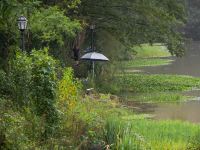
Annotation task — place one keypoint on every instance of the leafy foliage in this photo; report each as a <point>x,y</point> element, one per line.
<point>137,21</point>
<point>30,91</point>
<point>19,129</point>
<point>68,90</point>
<point>51,27</point>
<point>19,77</point>
<point>32,82</point>
<point>44,84</point>
<point>4,85</point>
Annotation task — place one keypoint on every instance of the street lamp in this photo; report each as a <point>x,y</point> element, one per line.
<point>92,27</point>
<point>22,24</point>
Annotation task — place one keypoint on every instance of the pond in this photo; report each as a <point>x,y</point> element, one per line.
<point>185,111</point>
<point>187,65</point>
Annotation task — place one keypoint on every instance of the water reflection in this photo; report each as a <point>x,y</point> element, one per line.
<point>188,111</point>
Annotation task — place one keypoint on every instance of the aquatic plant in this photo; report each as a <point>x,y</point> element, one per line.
<point>143,83</point>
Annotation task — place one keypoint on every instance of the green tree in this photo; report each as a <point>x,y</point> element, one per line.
<point>136,22</point>
<point>51,28</point>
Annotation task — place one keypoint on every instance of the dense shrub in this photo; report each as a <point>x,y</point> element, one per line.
<point>19,77</point>
<point>5,91</point>
<point>68,90</point>
<point>43,87</point>
<point>30,86</point>
<point>19,129</point>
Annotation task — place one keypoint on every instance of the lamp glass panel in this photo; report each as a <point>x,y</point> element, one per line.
<point>22,23</point>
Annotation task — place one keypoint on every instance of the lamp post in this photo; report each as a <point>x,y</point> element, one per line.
<point>92,27</point>
<point>92,55</point>
<point>22,24</point>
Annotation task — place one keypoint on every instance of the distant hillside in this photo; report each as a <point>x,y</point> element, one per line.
<point>193,26</point>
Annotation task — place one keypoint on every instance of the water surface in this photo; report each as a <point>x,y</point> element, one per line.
<point>186,111</point>
<point>189,64</point>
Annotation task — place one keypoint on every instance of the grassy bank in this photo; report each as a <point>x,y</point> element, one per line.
<point>149,51</point>
<point>122,129</point>
<point>148,55</point>
<point>165,134</point>
<point>140,133</point>
<point>156,97</point>
<point>140,62</point>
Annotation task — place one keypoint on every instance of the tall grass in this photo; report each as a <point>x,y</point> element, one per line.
<point>165,134</point>
<point>141,134</point>
<point>194,142</point>
<point>120,136</point>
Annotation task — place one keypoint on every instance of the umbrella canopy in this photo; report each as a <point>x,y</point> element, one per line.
<point>93,56</point>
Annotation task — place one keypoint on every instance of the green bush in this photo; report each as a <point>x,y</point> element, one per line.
<point>19,129</point>
<point>30,85</point>
<point>19,77</point>
<point>68,90</point>
<point>5,91</point>
<point>43,87</point>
